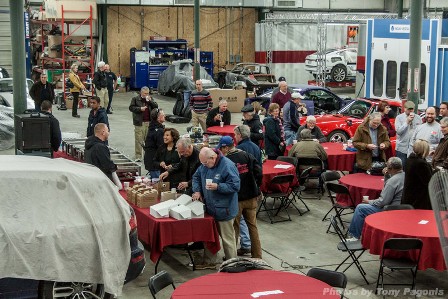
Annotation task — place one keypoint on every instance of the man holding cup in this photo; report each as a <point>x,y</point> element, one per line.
<point>216,183</point>
<point>219,116</point>
<point>141,107</point>
<point>405,125</point>
<point>390,195</point>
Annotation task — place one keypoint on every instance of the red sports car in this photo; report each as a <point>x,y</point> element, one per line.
<point>341,126</point>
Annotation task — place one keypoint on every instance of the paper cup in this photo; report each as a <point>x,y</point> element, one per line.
<point>208,181</point>
<point>173,190</point>
<point>221,124</point>
<point>126,184</point>
<point>344,146</point>
<point>365,197</point>
<point>294,141</point>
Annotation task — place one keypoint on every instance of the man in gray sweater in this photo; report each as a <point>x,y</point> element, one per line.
<point>391,195</point>
<point>405,125</point>
<point>429,131</point>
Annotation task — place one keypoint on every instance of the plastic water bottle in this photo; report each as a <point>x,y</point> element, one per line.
<point>118,80</point>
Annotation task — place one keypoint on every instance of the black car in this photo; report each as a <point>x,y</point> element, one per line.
<point>71,227</point>
<point>318,99</point>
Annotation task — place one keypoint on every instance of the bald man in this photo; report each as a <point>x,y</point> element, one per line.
<point>216,183</point>
<point>429,131</point>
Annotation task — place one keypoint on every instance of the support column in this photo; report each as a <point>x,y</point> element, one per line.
<point>197,47</point>
<point>415,42</point>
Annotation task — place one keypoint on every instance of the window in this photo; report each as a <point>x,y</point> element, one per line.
<point>391,80</point>
<point>404,80</point>
<point>323,99</point>
<point>378,68</point>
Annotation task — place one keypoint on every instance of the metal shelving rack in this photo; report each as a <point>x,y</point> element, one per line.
<point>87,61</point>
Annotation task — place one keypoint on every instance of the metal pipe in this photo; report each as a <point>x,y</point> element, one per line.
<point>18,54</point>
<point>415,44</point>
<point>197,47</point>
<point>400,9</point>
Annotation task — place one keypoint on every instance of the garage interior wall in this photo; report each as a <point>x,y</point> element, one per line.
<point>224,31</point>
<point>5,37</point>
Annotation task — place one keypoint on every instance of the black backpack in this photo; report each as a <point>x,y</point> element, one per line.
<point>68,83</point>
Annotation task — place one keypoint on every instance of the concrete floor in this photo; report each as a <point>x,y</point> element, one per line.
<point>294,246</point>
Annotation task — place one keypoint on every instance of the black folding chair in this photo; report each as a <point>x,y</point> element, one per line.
<point>297,188</point>
<point>340,209</point>
<point>395,245</point>
<point>160,281</point>
<point>332,278</point>
<point>276,184</point>
<point>351,247</point>
<point>403,206</point>
<point>330,177</point>
<point>317,168</point>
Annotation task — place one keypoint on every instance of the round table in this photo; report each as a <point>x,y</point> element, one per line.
<point>253,284</point>
<point>269,172</point>
<point>226,130</point>
<point>359,185</point>
<point>338,159</point>
<point>381,226</point>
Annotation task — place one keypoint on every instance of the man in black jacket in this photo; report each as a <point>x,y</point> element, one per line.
<point>218,115</point>
<point>55,130</point>
<point>111,86</point>
<point>42,90</point>
<point>100,82</point>
<point>97,115</point>
<point>97,153</point>
<point>250,176</point>
<point>141,107</point>
<point>251,119</point>
<point>188,165</point>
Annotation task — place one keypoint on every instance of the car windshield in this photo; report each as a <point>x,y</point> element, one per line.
<point>357,109</point>
<point>6,85</point>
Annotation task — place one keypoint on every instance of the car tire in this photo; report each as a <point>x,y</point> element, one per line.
<point>338,136</point>
<point>339,73</point>
<point>49,290</point>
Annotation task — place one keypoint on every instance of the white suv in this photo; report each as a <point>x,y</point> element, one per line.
<point>340,64</point>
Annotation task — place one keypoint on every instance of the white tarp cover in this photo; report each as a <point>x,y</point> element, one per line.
<point>62,220</point>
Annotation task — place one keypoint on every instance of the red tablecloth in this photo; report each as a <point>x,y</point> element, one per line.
<point>405,224</point>
<point>60,154</point>
<point>359,185</point>
<point>161,232</point>
<point>246,284</point>
<point>224,131</point>
<point>338,159</point>
<point>269,172</point>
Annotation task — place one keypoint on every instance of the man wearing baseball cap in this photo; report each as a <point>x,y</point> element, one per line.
<point>405,125</point>
<point>292,111</point>
<point>250,175</point>
<point>252,120</point>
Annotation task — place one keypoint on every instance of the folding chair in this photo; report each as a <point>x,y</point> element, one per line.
<point>340,209</point>
<point>399,245</point>
<point>332,278</point>
<point>351,247</point>
<point>282,197</point>
<point>297,188</point>
<point>317,168</point>
<point>330,176</point>
<point>403,206</point>
<point>160,281</point>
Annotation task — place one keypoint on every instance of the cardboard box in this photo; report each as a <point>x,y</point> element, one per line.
<point>180,212</point>
<point>197,209</point>
<point>54,40</point>
<point>162,187</point>
<point>121,89</point>
<point>235,98</point>
<point>73,10</point>
<point>54,54</point>
<point>184,199</point>
<point>161,210</point>
<point>146,199</point>
<point>167,195</point>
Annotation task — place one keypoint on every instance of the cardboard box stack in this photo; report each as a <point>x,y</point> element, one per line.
<point>146,198</point>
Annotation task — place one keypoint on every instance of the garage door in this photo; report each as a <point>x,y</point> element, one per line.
<point>5,37</point>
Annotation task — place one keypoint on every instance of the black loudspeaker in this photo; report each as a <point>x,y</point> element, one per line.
<point>32,132</point>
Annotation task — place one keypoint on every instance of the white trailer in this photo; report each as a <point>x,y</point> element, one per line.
<point>387,57</point>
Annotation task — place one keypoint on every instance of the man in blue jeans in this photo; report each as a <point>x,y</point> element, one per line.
<point>391,195</point>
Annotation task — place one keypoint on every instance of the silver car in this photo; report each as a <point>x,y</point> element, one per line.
<point>6,91</point>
